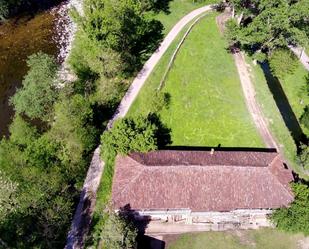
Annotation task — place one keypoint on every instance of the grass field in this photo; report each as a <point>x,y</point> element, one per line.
<point>249,239</point>
<point>292,85</point>
<point>207,104</point>
<point>178,9</point>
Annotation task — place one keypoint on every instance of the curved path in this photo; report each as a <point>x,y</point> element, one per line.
<point>83,214</point>
<point>142,76</point>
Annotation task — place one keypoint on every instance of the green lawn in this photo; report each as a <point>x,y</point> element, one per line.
<point>292,87</point>
<point>177,10</point>
<point>248,239</point>
<point>207,104</point>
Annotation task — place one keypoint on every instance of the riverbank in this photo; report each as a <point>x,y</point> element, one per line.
<point>50,31</point>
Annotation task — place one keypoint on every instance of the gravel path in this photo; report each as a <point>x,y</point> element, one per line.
<point>83,214</point>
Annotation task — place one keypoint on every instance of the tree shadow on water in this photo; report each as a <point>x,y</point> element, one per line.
<point>284,106</point>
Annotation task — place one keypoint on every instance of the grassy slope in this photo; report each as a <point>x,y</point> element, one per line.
<point>271,111</point>
<point>294,88</point>
<point>258,239</point>
<point>207,105</point>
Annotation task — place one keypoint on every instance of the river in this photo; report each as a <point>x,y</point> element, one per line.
<point>21,37</point>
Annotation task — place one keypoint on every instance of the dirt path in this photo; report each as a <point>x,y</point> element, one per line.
<point>83,214</point>
<point>248,90</point>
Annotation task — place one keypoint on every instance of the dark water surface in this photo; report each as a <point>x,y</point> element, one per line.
<point>19,38</point>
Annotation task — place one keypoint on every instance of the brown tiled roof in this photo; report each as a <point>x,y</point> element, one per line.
<point>201,181</point>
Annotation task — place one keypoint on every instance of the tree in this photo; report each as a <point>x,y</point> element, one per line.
<point>21,132</point>
<point>272,24</point>
<point>120,26</point>
<point>39,91</point>
<point>282,62</point>
<point>130,135</point>
<point>119,233</point>
<point>294,218</point>
<point>8,198</point>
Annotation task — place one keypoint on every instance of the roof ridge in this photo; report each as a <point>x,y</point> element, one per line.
<point>204,166</point>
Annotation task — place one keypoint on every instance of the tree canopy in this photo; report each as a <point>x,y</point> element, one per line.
<point>39,88</point>
<point>295,218</point>
<point>266,25</point>
<point>119,232</point>
<point>130,135</point>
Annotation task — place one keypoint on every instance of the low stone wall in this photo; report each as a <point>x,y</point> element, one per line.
<point>209,221</point>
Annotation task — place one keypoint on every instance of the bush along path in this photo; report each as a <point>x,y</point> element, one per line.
<point>83,214</point>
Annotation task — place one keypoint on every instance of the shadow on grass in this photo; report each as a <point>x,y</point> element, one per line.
<point>284,107</point>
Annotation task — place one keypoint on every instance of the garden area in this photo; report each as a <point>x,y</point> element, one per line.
<point>207,106</point>
<point>258,239</point>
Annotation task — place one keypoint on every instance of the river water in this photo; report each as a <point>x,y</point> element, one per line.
<point>21,37</point>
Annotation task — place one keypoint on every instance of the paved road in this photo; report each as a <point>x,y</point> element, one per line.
<point>83,214</point>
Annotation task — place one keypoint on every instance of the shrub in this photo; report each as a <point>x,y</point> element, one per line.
<point>119,232</point>
<point>128,135</point>
<point>294,218</point>
<point>303,157</point>
<point>282,62</point>
<point>39,92</point>
<point>159,101</point>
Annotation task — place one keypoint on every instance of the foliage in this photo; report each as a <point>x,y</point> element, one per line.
<point>305,117</point>
<point>130,135</point>
<point>295,218</point>
<point>268,25</point>
<point>159,100</point>
<point>282,62</point>
<point>4,9</point>
<point>8,198</point>
<point>22,133</point>
<point>38,93</point>
<point>121,31</point>
<point>303,157</point>
<point>119,232</point>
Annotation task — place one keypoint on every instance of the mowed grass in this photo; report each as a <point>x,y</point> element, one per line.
<point>178,9</point>
<point>207,104</point>
<point>248,239</point>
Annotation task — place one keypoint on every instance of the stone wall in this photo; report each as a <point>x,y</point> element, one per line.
<point>210,221</point>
